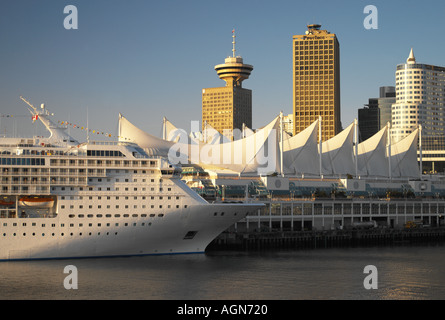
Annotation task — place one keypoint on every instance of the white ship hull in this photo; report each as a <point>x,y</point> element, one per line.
<point>182,231</point>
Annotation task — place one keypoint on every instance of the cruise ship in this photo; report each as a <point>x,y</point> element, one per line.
<point>61,198</point>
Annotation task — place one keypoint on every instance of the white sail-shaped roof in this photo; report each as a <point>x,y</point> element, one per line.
<point>247,131</point>
<point>128,132</point>
<point>257,153</point>
<point>178,151</point>
<point>337,153</point>
<point>372,160</point>
<point>209,135</point>
<point>169,131</point>
<point>300,152</point>
<point>404,157</point>
<point>212,136</point>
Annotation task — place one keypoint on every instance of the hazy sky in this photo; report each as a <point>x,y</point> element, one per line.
<point>149,59</point>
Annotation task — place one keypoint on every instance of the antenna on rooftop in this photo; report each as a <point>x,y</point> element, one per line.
<point>233,42</point>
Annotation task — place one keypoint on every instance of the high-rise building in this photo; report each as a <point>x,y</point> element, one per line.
<point>228,108</point>
<point>385,102</point>
<point>420,100</point>
<point>377,113</point>
<point>369,119</point>
<point>316,81</point>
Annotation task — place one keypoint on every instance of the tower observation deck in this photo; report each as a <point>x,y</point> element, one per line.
<point>233,71</point>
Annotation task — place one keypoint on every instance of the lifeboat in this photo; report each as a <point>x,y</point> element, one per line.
<point>6,203</point>
<point>36,202</point>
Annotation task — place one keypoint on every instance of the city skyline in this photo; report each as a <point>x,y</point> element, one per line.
<point>130,58</point>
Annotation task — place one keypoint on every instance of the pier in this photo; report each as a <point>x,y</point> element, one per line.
<point>325,239</point>
<point>324,223</point>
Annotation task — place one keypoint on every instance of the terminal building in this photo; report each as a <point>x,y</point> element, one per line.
<point>305,185</point>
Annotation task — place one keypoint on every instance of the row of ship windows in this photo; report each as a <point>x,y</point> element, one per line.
<point>143,224</point>
<point>126,206</point>
<point>80,233</point>
<point>109,189</point>
<point>62,234</point>
<point>117,215</point>
<point>22,161</point>
<point>124,180</point>
<point>26,179</point>
<point>117,198</point>
<point>189,234</point>
<point>71,225</point>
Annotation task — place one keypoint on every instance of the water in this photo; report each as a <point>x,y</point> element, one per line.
<point>404,273</point>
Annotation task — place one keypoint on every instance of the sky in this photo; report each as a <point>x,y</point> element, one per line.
<point>149,59</point>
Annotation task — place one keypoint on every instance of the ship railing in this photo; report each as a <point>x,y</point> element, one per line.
<point>109,143</point>
<point>354,200</point>
<point>27,190</point>
<point>108,163</point>
<point>27,183</point>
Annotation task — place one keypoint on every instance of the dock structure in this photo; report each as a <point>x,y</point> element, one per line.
<point>329,214</point>
<point>325,239</point>
<point>326,223</point>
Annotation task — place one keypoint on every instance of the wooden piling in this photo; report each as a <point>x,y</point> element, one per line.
<point>324,239</point>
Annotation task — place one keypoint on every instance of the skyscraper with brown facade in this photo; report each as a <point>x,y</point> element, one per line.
<point>316,81</point>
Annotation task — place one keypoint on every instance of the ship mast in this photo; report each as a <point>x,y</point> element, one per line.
<point>57,133</point>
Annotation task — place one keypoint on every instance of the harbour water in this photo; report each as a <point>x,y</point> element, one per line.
<point>404,272</point>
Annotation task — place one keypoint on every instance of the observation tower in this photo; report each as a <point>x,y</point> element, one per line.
<point>233,71</point>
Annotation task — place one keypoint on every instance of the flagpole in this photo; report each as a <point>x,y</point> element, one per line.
<point>88,129</point>
<point>356,148</point>
<point>389,151</point>
<point>420,150</point>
